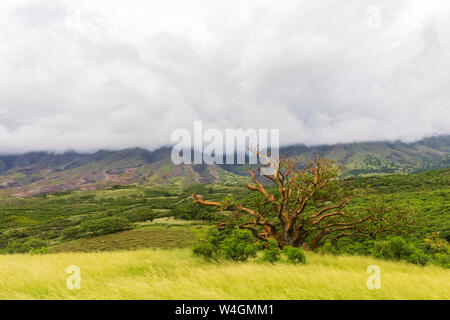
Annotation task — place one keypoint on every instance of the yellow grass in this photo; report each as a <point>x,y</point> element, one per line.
<point>176,274</point>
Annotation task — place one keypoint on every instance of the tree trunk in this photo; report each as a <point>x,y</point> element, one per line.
<point>315,242</point>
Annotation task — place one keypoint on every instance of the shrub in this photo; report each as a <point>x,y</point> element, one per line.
<point>21,233</point>
<point>144,216</point>
<point>24,246</point>
<point>50,235</point>
<point>294,255</point>
<point>41,250</point>
<point>437,245</point>
<point>446,235</point>
<point>208,243</point>
<point>239,245</point>
<point>106,225</point>
<point>398,248</point>
<point>358,247</point>
<point>328,248</point>
<point>140,216</point>
<point>417,256</point>
<point>442,259</point>
<point>72,232</point>
<point>272,252</point>
<point>233,244</point>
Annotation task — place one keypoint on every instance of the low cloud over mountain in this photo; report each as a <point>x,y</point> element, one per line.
<point>86,75</point>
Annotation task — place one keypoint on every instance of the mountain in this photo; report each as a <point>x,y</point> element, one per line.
<point>40,172</point>
<point>383,157</point>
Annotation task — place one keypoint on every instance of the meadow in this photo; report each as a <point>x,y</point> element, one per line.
<point>177,274</point>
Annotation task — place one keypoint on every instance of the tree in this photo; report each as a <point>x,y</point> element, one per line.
<point>303,207</point>
<point>106,225</point>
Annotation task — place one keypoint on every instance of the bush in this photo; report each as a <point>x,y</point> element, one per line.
<point>139,216</point>
<point>72,232</point>
<point>328,248</point>
<point>272,252</point>
<point>208,243</point>
<point>24,246</point>
<point>294,255</point>
<point>106,225</point>
<point>437,245</point>
<point>446,235</point>
<point>143,216</point>
<point>418,257</point>
<point>397,248</point>
<point>233,244</point>
<point>239,245</point>
<point>41,250</point>
<point>50,235</point>
<point>442,259</point>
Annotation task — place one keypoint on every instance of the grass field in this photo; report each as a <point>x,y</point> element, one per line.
<point>176,274</point>
<point>154,236</point>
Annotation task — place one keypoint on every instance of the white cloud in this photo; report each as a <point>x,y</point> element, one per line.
<point>95,74</point>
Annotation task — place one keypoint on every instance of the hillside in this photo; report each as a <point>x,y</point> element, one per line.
<point>40,173</point>
<point>384,157</point>
<point>49,218</point>
<point>150,258</point>
<point>176,274</point>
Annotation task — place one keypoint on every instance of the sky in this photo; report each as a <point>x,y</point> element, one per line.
<point>85,75</point>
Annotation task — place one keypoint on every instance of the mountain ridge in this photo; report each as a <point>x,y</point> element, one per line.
<point>35,173</point>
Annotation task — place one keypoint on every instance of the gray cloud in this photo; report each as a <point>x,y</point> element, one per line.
<point>94,74</point>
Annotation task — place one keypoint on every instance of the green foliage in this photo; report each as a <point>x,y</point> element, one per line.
<point>120,187</point>
<point>417,256</point>
<point>72,232</point>
<point>294,255</point>
<point>442,259</point>
<point>398,248</point>
<point>234,244</point>
<point>446,235</point>
<point>239,245</point>
<point>437,245</point>
<point>139,216</point>
<point>25,246</point>
<point>272,252</point>
<point>328,248</point>
<point>41,250</point>
<point>106,225</point>
<point>439,248</point>
<point>435,250</point>
<point>208,243</point>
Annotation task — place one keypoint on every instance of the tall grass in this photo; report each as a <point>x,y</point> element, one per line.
<point>176,274</point>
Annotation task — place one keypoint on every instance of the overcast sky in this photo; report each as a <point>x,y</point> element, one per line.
<point>90,74</point>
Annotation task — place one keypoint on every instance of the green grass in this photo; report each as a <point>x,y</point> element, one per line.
<point>156,236</point>
<point>176,274</point>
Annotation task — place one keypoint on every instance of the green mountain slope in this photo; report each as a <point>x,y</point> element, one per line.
<point>39,172</point>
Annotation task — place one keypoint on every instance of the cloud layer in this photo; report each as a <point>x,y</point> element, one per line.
<point>92,74</point>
